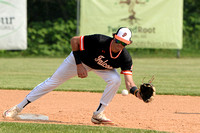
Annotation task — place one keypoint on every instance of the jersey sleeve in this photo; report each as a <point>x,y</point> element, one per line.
<point>127,65</point>
<point>89,41</point>
<point>127,72</point>
<point>82,43</point>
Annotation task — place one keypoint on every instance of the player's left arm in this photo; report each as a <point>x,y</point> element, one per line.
<point>126,69</point>
<point>130,85</point>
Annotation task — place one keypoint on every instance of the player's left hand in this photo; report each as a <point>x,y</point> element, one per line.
<point>147,92</point>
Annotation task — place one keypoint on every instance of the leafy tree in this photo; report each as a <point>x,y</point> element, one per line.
<point>191,23</point>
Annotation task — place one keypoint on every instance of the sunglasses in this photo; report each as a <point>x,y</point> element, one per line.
<point>118,41</point>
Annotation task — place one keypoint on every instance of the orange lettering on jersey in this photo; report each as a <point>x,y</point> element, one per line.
<point>102,63</point>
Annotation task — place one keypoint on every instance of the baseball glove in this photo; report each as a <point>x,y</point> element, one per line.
<point>147,92</point>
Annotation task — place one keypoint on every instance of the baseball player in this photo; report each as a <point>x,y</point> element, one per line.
<point>98,53</point>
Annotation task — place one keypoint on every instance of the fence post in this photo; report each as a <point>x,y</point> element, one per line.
<point>178,53</point>
<point>78,18</point>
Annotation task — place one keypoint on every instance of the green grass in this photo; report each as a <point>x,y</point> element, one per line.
<point>6,127</point>
<point>172,76</point>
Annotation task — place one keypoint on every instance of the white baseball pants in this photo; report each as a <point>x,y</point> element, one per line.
<point>68,70</point>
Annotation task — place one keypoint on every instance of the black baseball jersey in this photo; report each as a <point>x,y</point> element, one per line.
<point>95,51</point>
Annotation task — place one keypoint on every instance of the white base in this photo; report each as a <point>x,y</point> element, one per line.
<point>31,117</point>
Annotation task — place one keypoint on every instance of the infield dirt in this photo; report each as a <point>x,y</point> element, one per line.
<point>179,114</point>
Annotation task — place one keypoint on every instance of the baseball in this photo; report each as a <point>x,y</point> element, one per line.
<point>124,92</point>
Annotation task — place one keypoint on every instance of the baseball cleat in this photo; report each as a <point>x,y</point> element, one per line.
<point>12,112</point>
<point>101,119</point>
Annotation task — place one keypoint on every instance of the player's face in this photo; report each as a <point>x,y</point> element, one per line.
<point>118,45</point>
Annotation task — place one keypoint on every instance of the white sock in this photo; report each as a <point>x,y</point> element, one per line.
<point>23,103</point>
<point>100,109</point>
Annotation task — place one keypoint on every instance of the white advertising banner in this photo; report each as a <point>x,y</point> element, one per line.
<point>13,25</point>
<point>154,23</point>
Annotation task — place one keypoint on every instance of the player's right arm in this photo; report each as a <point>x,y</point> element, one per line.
<point>75,44</point>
